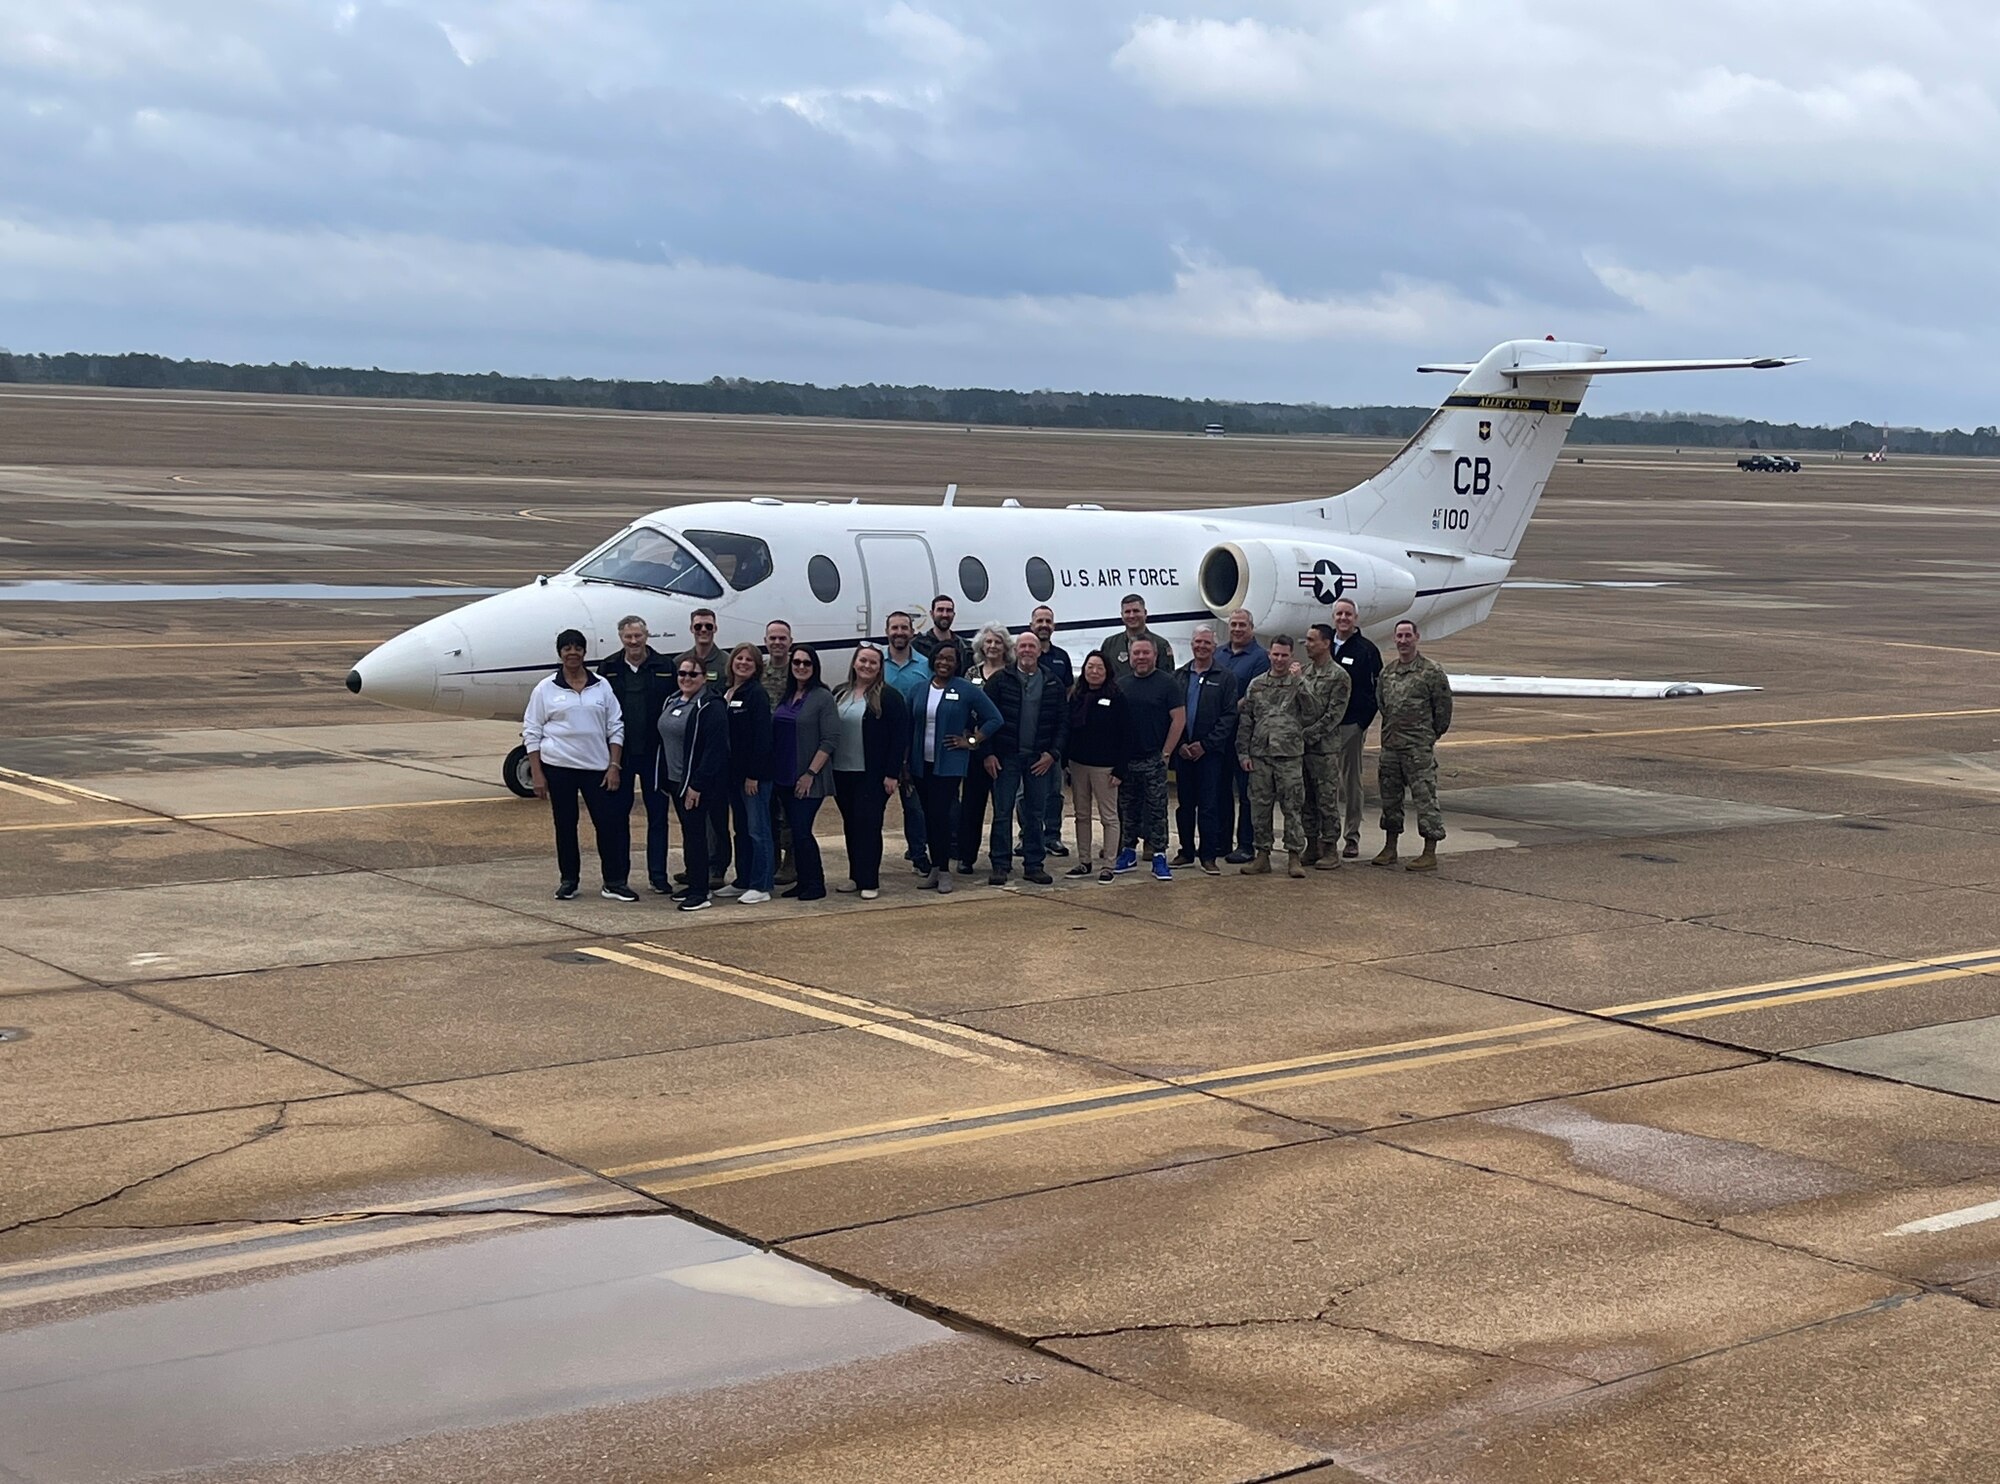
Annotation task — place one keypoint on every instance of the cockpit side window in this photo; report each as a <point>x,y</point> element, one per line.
<point>743,561</point>
<point>644,557</point>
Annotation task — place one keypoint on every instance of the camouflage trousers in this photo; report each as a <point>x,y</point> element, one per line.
<point>1416,769</point>
<point>1278,781</point>
<point>1142,805</point>
<point>1322,782</point>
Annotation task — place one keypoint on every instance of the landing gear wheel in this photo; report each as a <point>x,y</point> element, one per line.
<point>517,775</point>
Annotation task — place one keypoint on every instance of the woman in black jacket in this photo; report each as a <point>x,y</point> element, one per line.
<point>693,766</point>
<point>867,763</point>
<point>1096,746</point>
<point>752,765</point>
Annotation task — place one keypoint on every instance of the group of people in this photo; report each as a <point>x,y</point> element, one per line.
<point>742,747</point>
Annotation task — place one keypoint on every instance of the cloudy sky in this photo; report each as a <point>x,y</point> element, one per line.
<point>1294,201</point>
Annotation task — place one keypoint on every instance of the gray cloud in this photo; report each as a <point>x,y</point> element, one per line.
<point>1283,200</point>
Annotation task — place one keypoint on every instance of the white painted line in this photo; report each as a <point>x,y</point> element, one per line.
<point>1969,1216</point>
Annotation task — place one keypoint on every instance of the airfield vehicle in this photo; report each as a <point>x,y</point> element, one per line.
<point>1768,463</point>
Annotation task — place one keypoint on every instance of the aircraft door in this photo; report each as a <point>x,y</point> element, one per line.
<point>897,572</point>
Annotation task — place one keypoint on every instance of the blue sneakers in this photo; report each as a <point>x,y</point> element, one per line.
<point>1128,860</point>
<point>1161,870</point>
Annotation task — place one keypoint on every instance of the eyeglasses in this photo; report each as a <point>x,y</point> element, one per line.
<point>702,627</point>
<point>690,674</point>
<point>802,664</point>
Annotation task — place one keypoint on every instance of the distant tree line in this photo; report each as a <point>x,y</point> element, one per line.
<point>968,405</point>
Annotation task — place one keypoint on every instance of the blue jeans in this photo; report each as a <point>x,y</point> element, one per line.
<point>1019,782</point>
<point>756,855</point>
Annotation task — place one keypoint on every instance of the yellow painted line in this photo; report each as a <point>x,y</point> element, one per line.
<point>1810,981</point>
<point>852,1002</point>
<point>342,808</point>
<point>36,794</point>
<point>863,1130</point>
<point>204,644</point>
<point>922,1142</point>
<point>797,1007</point>
<point>1729,726</point>
<point>1939,648</point>
<point>1838,991</point>
<point>58,785</point>
<point>1387,1049</point>
<point>243,1262</point>
<point>78,824</point>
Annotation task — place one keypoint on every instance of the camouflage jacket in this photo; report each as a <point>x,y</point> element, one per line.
<point>1416,702</point>
<point>1330,685</point>
<point>777,680</point>
<point>1275,716</point>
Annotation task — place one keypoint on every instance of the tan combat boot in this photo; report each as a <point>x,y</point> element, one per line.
<point>1387,855</point>
<point>1312,854</point>
<point>1297,867</point>
<point>1261,866</point>
<point>1329,859</point>
<point>1428,861</point>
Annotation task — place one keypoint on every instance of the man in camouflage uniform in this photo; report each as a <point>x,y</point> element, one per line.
<point>1415,698</point>
<point>1330,686</point>
<point>1273,720</point>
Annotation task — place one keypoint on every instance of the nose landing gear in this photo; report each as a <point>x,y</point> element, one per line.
<point>517,775</point>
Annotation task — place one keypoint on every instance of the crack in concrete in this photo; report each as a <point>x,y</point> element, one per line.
<point>275,1124</point>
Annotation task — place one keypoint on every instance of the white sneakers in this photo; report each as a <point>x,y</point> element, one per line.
<point>752,898</point>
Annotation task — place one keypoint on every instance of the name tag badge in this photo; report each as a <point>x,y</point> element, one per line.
<point>1104,701</point>
<point>679,711</point>
<point>1347,659</point>
<point>736,705</point>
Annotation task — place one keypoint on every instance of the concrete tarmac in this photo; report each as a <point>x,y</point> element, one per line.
<point>1655,1138</point>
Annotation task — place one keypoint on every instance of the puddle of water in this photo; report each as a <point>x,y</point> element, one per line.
<point>50,591</point>
<point>523,1324</point>
<point>1719,1176</point>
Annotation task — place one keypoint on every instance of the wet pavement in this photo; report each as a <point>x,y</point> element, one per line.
<point>1655,1138</point>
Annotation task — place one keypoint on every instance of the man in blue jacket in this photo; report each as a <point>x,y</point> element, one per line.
<point>1204,755</point>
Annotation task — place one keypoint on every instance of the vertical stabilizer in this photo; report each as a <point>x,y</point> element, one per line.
<point>1469,480</point>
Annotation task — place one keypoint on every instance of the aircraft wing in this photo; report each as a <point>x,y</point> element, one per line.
<point>1583,689</point>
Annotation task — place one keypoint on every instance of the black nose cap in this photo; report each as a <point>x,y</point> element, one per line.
<point>354,681</point>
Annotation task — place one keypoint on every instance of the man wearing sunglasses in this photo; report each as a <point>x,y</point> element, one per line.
<point>710,658</point>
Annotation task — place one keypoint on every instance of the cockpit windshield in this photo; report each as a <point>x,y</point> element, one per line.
<point>644,557</point>
<point>743,561</point>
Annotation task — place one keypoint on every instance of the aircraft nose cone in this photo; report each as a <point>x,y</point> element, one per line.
<point>354,681</point>
<point>404,671</point>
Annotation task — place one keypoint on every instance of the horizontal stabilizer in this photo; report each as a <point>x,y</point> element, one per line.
<point>1594,690</point>
<point>1620,368</point>
<point>1456,368</point>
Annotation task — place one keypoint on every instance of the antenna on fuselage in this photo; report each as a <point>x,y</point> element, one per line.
<point>950,493</point>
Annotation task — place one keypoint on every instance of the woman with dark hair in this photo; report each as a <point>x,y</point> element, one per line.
<point>693,769</point>
<point>751,767</point>
<point>946,724</point>
<point>1096,730</point>
<point>867,763</point>
<point>574,729</point>
<point>805,729</point>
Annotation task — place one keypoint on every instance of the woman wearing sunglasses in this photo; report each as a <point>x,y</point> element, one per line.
<point>693,766</point>
<point>805,731</point>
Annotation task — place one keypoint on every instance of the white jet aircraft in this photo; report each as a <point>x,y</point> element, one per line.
<point>1430,538</point>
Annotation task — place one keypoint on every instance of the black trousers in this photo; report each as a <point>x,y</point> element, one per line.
<point>696,822</point>
<point>975,791</point>
<point>1198,809</point>
<point>610,818</point>
<point>862,807</point>
<point>939,796</point>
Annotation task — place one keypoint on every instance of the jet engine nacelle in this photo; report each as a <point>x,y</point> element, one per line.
<point>1289,585</point>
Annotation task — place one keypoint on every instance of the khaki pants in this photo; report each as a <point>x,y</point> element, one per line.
<point>1094,789</point>
<point>1347,755</point>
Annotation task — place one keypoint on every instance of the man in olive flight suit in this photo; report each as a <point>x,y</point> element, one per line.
<point>1273,720</point>
<point>1415,698</point>
<point>1330,685</point>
